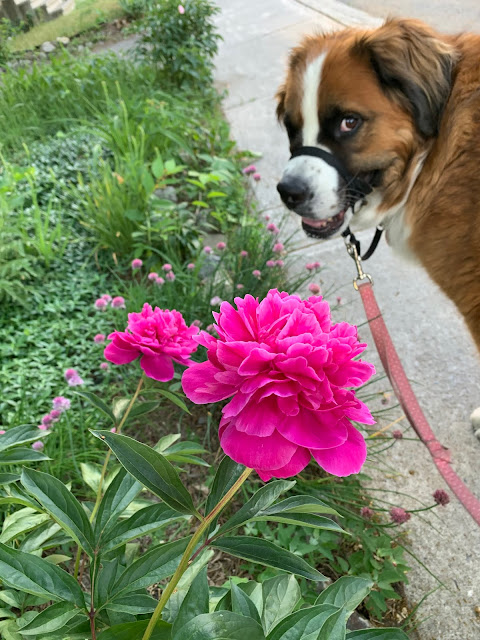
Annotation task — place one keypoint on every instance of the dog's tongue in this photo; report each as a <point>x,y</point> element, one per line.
<point>318,224</point>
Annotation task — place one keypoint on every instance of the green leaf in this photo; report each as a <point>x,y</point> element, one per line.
<point>91,475</point>
<point>62,505</point>
<point>303,520</point>
<point>50,619</point>
<point>8,478</point>
<point>141,523</point>
<point>377,634</point>
<point>26,572</point>
<point>135,631</point>
<point>280,595</point>
<point>260,500</point>
<point>194,604</point>
<point>21,521</point>
<point>157,564</point>
<point>174,398</point>
<point>267,553</point>
<point>167,441</point>
<point>300,504</point>
<point>151,469</point>
<point>120,493</point>
<point>98,403</point>
<point>174,603</point>
<point>242,604</point>
<point>20,435</point>
<point>20,455</point>
<point>142,408</point>
<point>221,625</point>
<point>347,592</point>
<point>157,167</point>
<point>136,604</point>
<point>306,624</point>
<point>38,539</point>
<point>227,474</point>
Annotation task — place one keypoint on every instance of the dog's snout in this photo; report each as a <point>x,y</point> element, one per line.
<point>293,192</point>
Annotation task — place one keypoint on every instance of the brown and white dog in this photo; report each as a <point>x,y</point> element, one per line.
<point>398,106</point>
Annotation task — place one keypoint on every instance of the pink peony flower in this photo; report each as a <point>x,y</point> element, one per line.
<point>107,297</point>
<point>170,276</point>
<point>160,281</point>
<point>243,253</point>
<point>153,275</point>
<point>256,177</point>
<point>207,249</point>
<point>99,338</point>
<point>256,273</point>
<point>137,263</point>
<point>118,302</point>
<point>101,304</point>
<point>38,445</point>
<point>280,263</point>
<point>181,9</point>
<point>61,404</point>
<point>271,263</point>
<point>72,377</point>
<point>314,288</point>
<point>278,247</point>
<point>158,337</point>
<point>167,267</point>
<point>191,266</point>
<point>399,515</point>
<point>221,246</point>
<point>289,374</point>
<point>441,497</point>
<point>104,366</point>
<point>250,169</point>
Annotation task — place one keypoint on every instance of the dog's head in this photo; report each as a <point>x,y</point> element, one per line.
<point>374,100</point>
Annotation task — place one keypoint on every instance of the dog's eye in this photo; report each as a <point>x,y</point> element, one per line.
<point>349,124</point>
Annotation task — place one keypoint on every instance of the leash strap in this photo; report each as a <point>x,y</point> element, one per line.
<point>373,245</point>
<point>404,392</point>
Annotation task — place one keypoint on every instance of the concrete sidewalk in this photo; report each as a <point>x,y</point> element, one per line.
<point>436,349</point>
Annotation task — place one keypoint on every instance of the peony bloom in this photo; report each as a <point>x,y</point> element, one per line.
<point>271,263</point>
<point>158,337</point>
<point>441,497</point>
<point>221,246</point>
<point>61,404</point>
<point>101,304</point>
<point>256,273</point>
<point>181,9</point>
<point>99,338</point>
<point>170,276</point>
<point>72,377</point>
<point>244,254</point>
<point>137,263</point>
<point>278,247</point>
<point>250,169</point>
<point>314,288</point>
<point>289,374</point>
<point>118,302</point>
<point>207,249</point>
<point>152,275</point>
<point>399,515</point>
<point>104,366</point>
<point>167,267</point>
<point>191,266</point>
<point>38,445</point>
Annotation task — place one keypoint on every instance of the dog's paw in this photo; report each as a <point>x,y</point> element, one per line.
<point>475,418</point>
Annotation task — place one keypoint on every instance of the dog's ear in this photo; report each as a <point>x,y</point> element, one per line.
<point>414,66</point>
<point>280,98</point>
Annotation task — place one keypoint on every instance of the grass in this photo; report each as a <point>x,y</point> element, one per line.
<point>87,14</point>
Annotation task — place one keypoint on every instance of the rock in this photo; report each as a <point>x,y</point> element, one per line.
<point>475,419</point>
<point>47,47</point>
<point>357,622</point>
<point>63,40</point>
<point>209,266</point>
<point>167,193</point>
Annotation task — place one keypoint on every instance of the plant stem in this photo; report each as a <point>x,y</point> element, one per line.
<point>186,558</point>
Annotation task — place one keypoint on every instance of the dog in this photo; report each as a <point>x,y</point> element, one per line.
<point>394,114</point>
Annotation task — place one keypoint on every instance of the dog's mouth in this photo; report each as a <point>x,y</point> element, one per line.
<point>323,228</point>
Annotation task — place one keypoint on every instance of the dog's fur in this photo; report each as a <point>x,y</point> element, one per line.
<point>413,99</point>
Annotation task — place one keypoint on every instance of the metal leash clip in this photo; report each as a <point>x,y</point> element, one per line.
<point>353,253</point>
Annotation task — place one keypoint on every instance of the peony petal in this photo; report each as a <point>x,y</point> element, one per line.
<point>117,355</point>
<point>259,418</point>
<point>158,367</point>
<point>257,361</point>
<point>314,429</point>
<point>297,463</point>
<point>345,459</point>
<point>200,386</point>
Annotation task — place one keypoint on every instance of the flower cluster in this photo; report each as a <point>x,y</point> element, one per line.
<point>158,337</point>
<point>73,378</point>
<point>116,303</point>
<point>289,373</point>
<point>59,405</point>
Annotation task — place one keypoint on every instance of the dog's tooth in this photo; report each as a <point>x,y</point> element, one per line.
<point>329,219</point>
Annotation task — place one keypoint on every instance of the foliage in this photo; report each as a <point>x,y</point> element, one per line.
<point>133,9</point>
<point>182,44</point>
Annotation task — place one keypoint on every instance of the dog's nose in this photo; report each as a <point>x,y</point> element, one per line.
<point>293,191</point>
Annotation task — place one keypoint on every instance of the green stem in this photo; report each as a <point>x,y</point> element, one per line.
<point>186,558</point>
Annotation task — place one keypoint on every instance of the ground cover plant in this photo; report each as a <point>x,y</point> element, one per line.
<point>128,196</point>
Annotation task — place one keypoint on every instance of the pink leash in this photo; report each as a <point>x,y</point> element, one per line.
<point>401,386</point>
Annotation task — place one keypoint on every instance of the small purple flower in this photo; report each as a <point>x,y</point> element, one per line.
<point>441,497</point>
<point>137,263</point>
<point>397,434</point>
<point>152,276</point>
<point>118,302</point>
<point>170,276</point>
<point>61,404</point>
<point>55,414</point>
<point>2,432</point>
<point>211,328</point>
<point>256,177</point>
<point>191,266</point>
<point>38,445</point>
<point>72,377</point>
<point>366,513</point>
<point>101,304</point>
<point>271,263</point>
<point>207,249</point>
<point>167,267</point>
<point>240,286</point>
<point>221,246</point>
<point>99,338</point>
<point>399,515</point>
<point>314,288</point>
<point>278,247</point>
<point>339,299</point>
<point>160,281</point>
<point>266,217</point>
<point>216,300</point>
<point>244,254</point>
<point>104,366</point>
<point>197,323</point>
<point>47,421</point>
<point>272,227</point>
<point>181,10</point>
<point>280,263</point>
<point>43,427</point>
<point>250,169</point>
<point>106,297</point>
<point>256,273</point>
